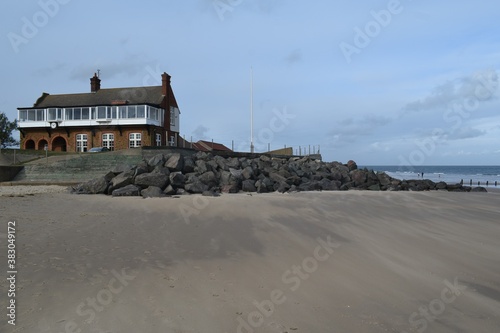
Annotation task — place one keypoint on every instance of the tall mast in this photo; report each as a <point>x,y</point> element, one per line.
<point>251,110</point>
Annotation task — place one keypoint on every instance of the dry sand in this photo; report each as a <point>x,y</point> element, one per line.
<point>308,262</point>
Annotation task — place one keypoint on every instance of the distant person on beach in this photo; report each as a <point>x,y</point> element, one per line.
<point>422,175</point>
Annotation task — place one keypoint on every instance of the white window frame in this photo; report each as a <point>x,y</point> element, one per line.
<point>82,142</point>
<point>158,139</point>
<point>108,141</point>
<point>135,140</point>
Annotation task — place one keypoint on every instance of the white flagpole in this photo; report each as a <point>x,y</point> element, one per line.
<point>251,111</point>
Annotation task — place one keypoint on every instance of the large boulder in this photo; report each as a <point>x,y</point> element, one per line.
<point>188,164</point>
<point>177,179</point>
<point>127,191</point>
<point>352,165</point>
<point>152,192</point>
<point>248,186</point>
<point>208,178</point>
<point>175,162</point>
<point>95,186</point>
<point>359,177</point>
<point>151,179</point>
<point>201,166</point>
<point>122,180</point>
<point>157,160</point>
<point>196,186</point>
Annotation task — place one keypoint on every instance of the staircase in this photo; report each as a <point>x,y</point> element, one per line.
<point>75,168</point>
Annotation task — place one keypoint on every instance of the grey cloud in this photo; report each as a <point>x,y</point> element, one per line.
<point>129,66</point>
<point>349,129</point>
<point>465,133</point>
<point>294,57</point>
<point>481,86</point>
<point>46,71</point>
<point>200,133</point>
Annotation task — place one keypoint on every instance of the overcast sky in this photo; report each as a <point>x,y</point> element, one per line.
<point>380,82</point>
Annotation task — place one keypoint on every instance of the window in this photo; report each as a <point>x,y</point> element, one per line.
<point>81,143</point>
<point>172,116</point>
<point>123,112</point>
<point>172,140</point>
<point>158,139</point>
<point>39,114</point>
<point>101,112</point>
<point>108,141</point>
<point>131,112</point>
<point>77,113</point>
<point>134,140</point>
<point>85,113</point>
<point>54,114</point>
<point>32,115</point>
<point>141,110</point>
<point>114,111</point>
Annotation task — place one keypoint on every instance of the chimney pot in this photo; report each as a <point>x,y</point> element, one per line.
<point>165,80</point>
<point>95,83</point>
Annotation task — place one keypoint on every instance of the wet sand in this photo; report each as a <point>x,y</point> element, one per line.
<point>306,262</point>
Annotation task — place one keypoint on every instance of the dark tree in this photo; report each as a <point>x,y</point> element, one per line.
<point>6,128</point>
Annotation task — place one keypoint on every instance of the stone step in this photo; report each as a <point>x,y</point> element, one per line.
<point>75,167</point>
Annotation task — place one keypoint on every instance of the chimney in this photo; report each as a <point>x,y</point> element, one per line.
<point>165,83</point>
<point>95,83</point>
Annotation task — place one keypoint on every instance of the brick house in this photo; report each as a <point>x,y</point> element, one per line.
<point>117,118</point>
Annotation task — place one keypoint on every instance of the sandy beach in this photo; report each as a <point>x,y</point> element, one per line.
<point>352,261</point>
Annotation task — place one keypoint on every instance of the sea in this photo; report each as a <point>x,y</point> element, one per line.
<point>475,175</point>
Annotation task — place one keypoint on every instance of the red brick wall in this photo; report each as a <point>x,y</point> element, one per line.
<point>94,139</point>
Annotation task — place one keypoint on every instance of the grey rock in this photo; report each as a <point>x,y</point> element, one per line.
<point>121,180</point>
<point>478,189</point>
<point>201,166</point>
<point>329,185</point>
<point>122,168</point>
<point>208,178</point>
<point>441,186</point>
<point>94,186</point>
<point>282,187</point>
<point>152,192</point>
<point>127,191</point>
<point>175,162</point>
<point>248,186</point>
<point>359,177</point>
<point>169,190</point>
<point>351,165</point>
<point>235,173</point>
<point>210,194</point>
<point>156,160</point>
<point>151,179</point>
<point>196,187</point>
<point>247,173</point>
<point>177,179</point>
<point>188,164</point>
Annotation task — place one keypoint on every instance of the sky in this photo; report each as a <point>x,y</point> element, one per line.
<point>409,82</point>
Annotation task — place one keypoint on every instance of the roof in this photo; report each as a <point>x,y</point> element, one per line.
<point>209,146</point>
<point>135,95</point>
